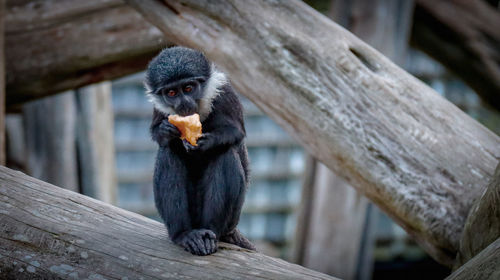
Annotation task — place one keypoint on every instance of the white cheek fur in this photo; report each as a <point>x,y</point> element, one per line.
<point>213,89</point>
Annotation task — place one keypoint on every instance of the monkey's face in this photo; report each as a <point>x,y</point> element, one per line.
<point>181,97</point>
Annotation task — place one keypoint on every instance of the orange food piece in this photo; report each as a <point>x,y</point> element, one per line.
<point>189,126</point>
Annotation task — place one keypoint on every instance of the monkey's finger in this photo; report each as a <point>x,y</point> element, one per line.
<point>193,248</point>
<point>210,234</point>
<point>208,246</point>
<point>201,245</point>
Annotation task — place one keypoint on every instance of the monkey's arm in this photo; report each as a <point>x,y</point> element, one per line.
<point>224,127</point>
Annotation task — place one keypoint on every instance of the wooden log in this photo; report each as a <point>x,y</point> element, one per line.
<point>484,266</point>
<point>53,46</point>
<point>483,223</point>
<point>95,142</point>
<point>464,36</point>
<point>51,233</point>
<point>414,154</point>
<point>50,133</point>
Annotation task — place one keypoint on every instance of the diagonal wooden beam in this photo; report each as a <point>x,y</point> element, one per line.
<point>414,154</point>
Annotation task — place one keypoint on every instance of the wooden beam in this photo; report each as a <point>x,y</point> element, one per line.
<point>48,233</point>
<point>414,154</point>
<point>464,36</point>
<point>59,45</point>
<point>485,265</point>
<point>483,223</point>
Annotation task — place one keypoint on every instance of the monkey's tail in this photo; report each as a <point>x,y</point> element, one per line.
<point>235,237</point>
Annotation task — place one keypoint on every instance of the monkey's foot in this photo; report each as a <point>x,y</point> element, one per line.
<point>199,242</point>
<point>235,237</point>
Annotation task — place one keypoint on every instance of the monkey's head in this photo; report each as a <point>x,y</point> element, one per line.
<point>182,81</point>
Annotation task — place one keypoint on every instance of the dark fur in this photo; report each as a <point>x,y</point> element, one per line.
<point>199,191</point>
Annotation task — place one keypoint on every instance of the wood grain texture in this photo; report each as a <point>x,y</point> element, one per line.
<point>464,36</point>
<point>414,154</point>
<point>483,223</point>
<point>57,45</point>
<point>484,266</point>
<point>50,233</point>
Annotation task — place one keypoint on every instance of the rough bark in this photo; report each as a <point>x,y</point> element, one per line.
<point>483,223</point>
<point>410,151</point>
<point>464,36</point>
<point>53,46</point>
<point>484,266</point>
<point>51,233</point>
<point>95,142</point>
<point>50,137</point>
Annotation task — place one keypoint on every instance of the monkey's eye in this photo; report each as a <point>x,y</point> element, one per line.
<point>188,88</point>
<point>171,93</point>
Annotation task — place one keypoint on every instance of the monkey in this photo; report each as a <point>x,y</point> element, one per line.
<point>199,190</point>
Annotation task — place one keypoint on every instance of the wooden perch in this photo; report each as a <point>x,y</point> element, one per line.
<point>48,232</point>
<point>57,45</point>
<point>410,151</point>
<point>463,35</point>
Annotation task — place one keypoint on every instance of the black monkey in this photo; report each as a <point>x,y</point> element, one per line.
<point>199,190</point>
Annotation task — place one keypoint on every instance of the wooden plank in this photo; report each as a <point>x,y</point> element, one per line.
<point>48,233</point>
<point>464,36</point>
<point>414,154</point>
<point>53,46</point>
<point>95,142</point>
<point>49,129</point>
<point>483,223</point>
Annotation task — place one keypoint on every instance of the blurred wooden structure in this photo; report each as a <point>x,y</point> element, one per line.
<point>407,149</point>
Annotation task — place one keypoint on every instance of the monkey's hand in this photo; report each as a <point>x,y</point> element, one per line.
<point>199,242</point>
<point>205,142</point>
<point>167,132</point>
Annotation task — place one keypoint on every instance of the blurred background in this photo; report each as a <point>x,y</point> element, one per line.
<point>95,140</point>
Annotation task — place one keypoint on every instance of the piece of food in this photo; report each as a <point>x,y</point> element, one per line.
<point>189,126</point>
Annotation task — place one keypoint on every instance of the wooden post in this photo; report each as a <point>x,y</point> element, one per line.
<point>2,83</point>
<point>95,142</point>
<point>49,126</point>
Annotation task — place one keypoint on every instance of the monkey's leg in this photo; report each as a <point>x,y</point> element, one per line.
<point>170,190</point>
<point>225,185</point>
